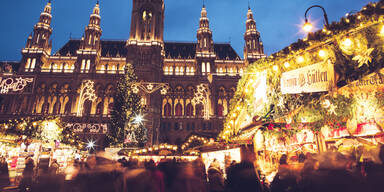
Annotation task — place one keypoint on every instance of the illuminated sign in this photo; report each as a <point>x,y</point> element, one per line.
<point>92,128</point>
<point>313,78</point>
<point>15,85</point>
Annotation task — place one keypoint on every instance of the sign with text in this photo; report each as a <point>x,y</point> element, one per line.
<point>372,80</point>
<point>313,78</point>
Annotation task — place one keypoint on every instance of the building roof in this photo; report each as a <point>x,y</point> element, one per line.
<point>182,50</point>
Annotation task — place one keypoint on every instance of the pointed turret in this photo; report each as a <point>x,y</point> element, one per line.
<point>90,47</point>
<point>42,30</point>
<point>38,46</point>
<point>204,34</point>
<point>253,48</point>
<point>205,54</point>
<point>93,30</point>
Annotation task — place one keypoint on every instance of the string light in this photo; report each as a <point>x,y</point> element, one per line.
<point>300,59</point>
<point>275,68</point>
<point>322,53</point>
<point>286,64</point>
<point>347,42</point>
<point>382,31</point>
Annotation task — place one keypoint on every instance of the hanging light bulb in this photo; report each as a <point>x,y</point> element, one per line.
<point>300,59</point>
<point>347,42</point>
<point>322,53</point>
<point>275,68</point>
<point>286,64</point>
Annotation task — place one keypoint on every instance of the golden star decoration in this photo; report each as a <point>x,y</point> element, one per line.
<point>364,58</point>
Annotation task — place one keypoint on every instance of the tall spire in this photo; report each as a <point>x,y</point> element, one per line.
<point>203,3</point>
<point>204,35</point>
<point>48,8</point>
<point>253,48</point>
<point>42,30</point>
<point>96,9</point>
<point>249,7</point>
<point>93,30</point>
<point>38,40</point>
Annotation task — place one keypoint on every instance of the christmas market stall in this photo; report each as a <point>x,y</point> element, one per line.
<point>157,153</point>
<point>35,138</point>
<point>321,93</point>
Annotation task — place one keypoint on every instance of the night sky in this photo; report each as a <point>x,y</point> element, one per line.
<point>278,21</point>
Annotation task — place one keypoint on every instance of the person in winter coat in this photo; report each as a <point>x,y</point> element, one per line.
<point>242,177</point>
<point>4,173</point>
<point>216,180</point>
<point>285,179</point>
<point>28,174</point>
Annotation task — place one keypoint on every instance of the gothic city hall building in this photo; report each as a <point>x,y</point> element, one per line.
<point>185,87</point>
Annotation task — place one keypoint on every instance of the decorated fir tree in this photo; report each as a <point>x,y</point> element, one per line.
<point>124,129</point>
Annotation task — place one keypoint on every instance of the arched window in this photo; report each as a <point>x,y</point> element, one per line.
<point>189,110</point>
<point>33,64</point>
<point>102,69</point>
<point>179,109</point>
<point>87,108</point>
<point>99,108</point>
<point>56,108</point>
<point>82,66</point>
<point>45,108</point>
<point>167,110</point>
<point>88,66</point>
<point>203,67</point>
<point>200,110</point>
<point>208,67</point>
<point>110,108</point>
<point>166,70</point>
<point>67,109</point>
<point>220,110</point>
<point>27,64</point>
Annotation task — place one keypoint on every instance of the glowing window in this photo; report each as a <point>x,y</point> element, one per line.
<point>33,64</point>
<point>88,65</point>
<point>203,67</point>
<point>27,64</point>
<point>82,65</point>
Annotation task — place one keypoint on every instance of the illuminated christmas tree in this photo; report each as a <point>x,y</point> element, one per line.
<point>125,129</point>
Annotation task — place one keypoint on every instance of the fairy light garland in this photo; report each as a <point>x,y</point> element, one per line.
<point>319,47</point>
<point>192,139</point>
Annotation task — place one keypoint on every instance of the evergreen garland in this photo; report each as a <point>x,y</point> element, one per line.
<point>126,107</point>
<point>366,33</point>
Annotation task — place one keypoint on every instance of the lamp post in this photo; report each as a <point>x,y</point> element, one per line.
<point>307,25</point>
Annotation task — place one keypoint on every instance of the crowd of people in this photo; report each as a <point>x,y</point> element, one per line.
<point>330,171</point>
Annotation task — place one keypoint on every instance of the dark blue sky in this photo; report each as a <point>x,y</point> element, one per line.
<point>277,20</point>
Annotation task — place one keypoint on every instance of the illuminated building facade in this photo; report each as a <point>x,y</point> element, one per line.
<point>59,78</point>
